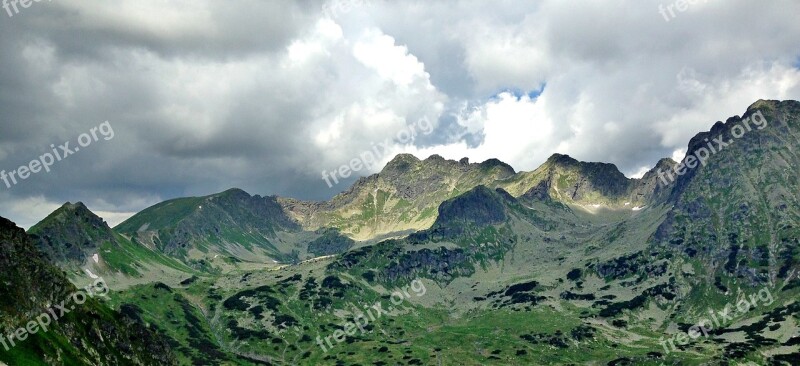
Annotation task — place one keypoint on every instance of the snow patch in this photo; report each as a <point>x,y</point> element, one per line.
<point>96,258</point>
<point>92,275</point>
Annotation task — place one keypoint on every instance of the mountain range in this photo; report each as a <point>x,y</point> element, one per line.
<point>571,263</point>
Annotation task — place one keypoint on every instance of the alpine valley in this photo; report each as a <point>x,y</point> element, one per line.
<point>440,262</point>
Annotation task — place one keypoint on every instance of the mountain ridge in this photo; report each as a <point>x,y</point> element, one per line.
<point>402,198</point>
<point>572,261</point>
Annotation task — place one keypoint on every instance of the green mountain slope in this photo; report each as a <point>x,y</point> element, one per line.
<point>76,239</point>
<point>231,223</point>
<point>83,334</point>
<point>71,234</point>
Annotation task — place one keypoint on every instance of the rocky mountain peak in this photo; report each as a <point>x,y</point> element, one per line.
<point>233,194</point>
<point>561,159</point>
<point>503,168</point>
<point>71,233</point>
<point>400,164</point>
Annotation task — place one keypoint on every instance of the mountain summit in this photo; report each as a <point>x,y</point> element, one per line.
<point>72,234</point>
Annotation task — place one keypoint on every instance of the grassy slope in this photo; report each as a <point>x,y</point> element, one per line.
<point>448,325</point>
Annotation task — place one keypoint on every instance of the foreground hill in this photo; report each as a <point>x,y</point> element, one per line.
<point>88,334</point>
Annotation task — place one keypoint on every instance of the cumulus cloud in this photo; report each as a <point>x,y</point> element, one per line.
<point>264,96</point>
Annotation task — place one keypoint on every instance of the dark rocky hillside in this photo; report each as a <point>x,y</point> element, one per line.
<point>71,234</point>
<point>90,334</point>
<point>739,213</point>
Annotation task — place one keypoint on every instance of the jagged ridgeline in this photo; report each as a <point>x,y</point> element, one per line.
<point>572,263</point>
<point>403,198</point>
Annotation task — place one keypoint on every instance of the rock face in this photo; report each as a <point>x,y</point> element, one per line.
<point>480,206</point>
<point>567,180</point>
<point>403,197</point>
<point>26,279</point>
<point>71,234</point>
<point>97,336</point>
<point>739,211</point>
<point>589,178</point>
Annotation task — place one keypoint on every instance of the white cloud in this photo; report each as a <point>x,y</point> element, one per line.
<point>392,62</point>
<point>678,155</point>
<point>114,218</point>
<point>639,173</point>
<point>265,95</point>
<point>28,211</point>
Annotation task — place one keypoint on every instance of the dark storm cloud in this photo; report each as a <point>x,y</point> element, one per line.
<point>264,95</point>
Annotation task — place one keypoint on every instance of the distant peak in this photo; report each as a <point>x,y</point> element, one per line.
<point>492,163</point>
<point>66,213</point>
<point>401,162</point>
<point>404,158</point>
<point>763,104</point>
<point>561,159</point>
<point>74,206</point>
<point>77,207</point>
<point>234,193</point>
<point>666,162</point>
<point>435,157</point>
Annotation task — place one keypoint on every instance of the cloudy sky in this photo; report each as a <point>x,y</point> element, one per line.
<point>206,95</point>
